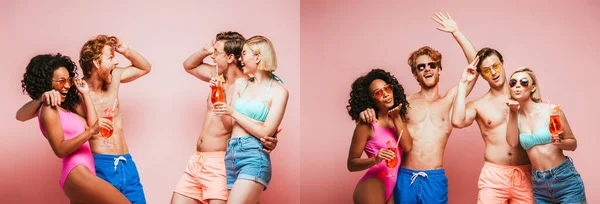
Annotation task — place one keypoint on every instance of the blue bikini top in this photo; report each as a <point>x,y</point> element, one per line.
<point>255,109</point>
<point>540,137</point>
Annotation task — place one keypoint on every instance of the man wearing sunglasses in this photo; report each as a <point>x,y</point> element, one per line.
<point>506,173</point>
<point>421,178</point>
<point>113,163</point>
<point>204,179</point>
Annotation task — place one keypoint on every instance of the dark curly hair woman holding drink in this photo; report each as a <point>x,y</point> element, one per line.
<point>384,139</point>
<point>65,128</point>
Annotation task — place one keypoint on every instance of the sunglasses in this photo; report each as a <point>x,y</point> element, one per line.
<point>217,53</point>
<point>496,68</point>
<point>379,92</point>
<point>64,81</point>
<point>431,65</point>
<point>524,82</point>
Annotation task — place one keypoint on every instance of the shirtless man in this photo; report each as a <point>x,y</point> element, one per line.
<point>204,180</point>
<point>113,163</point>
<point>506,173</point>
<point>421,178</point>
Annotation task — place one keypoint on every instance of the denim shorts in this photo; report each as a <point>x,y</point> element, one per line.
<point>245,159</point>
<point>562,184</point>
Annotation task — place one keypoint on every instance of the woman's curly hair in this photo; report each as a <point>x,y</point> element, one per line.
<point>38,77</point>
<point>360,98</point>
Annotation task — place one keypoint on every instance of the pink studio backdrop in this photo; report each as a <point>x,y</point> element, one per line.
<point>345,39</point>
<point>163,111</point>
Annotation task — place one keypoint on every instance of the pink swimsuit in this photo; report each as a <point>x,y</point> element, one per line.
<point>379,139</point>
<point>72,126</point>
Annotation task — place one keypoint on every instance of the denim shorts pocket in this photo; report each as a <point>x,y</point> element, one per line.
<point>566,174</point>
<point>535,179</point>
<point>250,144</point>
<point>265,159</point>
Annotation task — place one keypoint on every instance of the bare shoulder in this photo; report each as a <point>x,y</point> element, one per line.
<point>241,82</point>
<point>279,89</point>
<point>243,79</point>
<point>116,73</point>
<point>547,106</point>
<point>475,103</point>
<point>49,112</point>
<point>363,127</point>
<point>411,97</point>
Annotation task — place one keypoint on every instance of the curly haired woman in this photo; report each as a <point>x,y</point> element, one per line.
<point>380,91</point>
<point>67,132</point>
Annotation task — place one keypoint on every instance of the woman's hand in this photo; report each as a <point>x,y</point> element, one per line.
<point>101,123</point>
<point>81,85</point>
<point>222,108</point>
<point>384,154</point>
<point>395,112</point>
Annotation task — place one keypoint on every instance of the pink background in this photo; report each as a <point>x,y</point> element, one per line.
<point>342,40</point>
<point>163,111</point>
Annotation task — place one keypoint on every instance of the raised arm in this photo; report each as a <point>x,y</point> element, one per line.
<point>565,140</point>
<point>30,109</point>
<point>87,104</point>
<point>139,65</point>
<point>449,25</point>
<point>464,114</point>
<point>512,127</point>
<point>195,65</point>
<point>362,132</point>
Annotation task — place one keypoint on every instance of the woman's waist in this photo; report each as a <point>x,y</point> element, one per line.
<point>545,157</point>
<point>83,155</point>
<point>238,131</point>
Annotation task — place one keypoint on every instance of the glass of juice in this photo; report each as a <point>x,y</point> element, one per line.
<point>217,94</point>
<point>106,133</point>
<point>554,125</point>
<point>391,145</point>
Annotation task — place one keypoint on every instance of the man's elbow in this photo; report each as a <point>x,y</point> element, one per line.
<point>187,66</point>
<point>512,144</point>
<point>458,124</point>
<point>407,148</point>
<point>148,68</point>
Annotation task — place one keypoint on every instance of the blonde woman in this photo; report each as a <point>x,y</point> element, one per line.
<point>258,108</point>
<point>554,177</point>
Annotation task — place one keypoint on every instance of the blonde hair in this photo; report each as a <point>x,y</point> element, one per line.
<point>536,96</point>
<point>263,47</point>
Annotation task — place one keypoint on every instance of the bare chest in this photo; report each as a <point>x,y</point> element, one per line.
<point>104,101</point>
<point>492,114</point>
<point>428,112</point>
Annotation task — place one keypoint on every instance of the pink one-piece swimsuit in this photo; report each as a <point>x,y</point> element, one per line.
<point>378,141</point>
<point>72,126</point>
